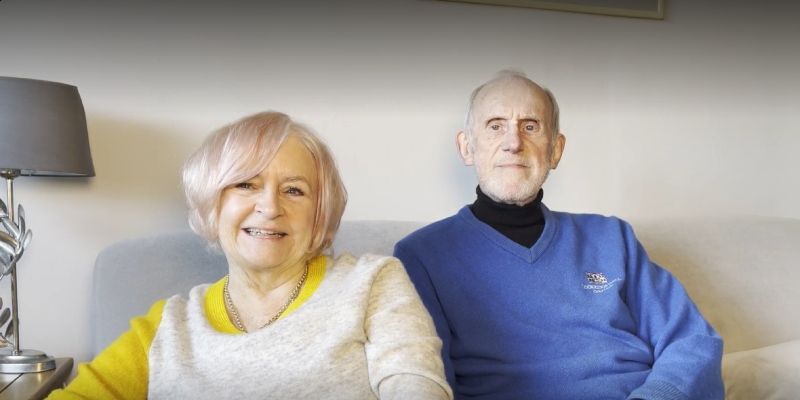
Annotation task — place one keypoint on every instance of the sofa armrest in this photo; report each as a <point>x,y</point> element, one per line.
<point>766,373</point>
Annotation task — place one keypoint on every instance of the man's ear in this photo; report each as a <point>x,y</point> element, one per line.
<point>558,149</point>
<point>464,148</point>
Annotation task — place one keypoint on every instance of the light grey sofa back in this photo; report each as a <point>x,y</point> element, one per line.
<point>743,273</point>
<point>131,275</point>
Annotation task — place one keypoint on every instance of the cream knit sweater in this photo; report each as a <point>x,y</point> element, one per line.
<point>364,334</point>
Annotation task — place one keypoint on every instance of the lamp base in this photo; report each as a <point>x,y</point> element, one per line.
<point>25,362</point>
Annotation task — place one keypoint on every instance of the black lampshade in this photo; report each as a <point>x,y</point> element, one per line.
<point>43,129</point>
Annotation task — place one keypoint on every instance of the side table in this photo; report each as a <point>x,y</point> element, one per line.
<point>35,385</point>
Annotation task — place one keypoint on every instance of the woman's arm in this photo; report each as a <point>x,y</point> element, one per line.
<point>403,349</point>
<point>121,370</point>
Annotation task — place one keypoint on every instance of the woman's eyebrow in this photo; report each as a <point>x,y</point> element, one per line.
<point>296,178</point>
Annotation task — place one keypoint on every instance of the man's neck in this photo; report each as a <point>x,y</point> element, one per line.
<point>521,224</point>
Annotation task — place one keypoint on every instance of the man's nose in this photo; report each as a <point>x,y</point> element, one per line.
<point>268,204</point>
<point>511,140</point>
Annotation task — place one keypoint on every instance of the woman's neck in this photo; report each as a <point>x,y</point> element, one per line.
<point>261,283</point>
<point>257,297</point>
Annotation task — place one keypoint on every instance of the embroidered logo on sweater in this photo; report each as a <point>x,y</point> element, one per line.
<point>596,277</point>
<point>598,283</point>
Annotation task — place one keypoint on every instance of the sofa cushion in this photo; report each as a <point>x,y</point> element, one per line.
<point>741,272</point>
<point>767,373</point>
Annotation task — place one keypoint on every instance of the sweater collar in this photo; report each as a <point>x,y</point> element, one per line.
<point>529,255</point>
<point>500,215</point>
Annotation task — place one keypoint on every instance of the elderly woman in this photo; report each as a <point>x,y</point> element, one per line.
<point>287,322</point>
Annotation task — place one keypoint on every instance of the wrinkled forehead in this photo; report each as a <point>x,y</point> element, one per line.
<point>511,95</point>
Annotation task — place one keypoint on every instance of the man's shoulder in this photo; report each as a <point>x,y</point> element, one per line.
<point>587,218</point>
<point>432,233</point>
<point>590,221</point>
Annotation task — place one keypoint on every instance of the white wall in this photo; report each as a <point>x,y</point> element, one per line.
<point>696,114</point>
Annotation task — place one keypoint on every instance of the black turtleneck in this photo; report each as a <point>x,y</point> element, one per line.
<point>522,224</point>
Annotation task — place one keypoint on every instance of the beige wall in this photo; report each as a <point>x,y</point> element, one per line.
<point>696,114</point>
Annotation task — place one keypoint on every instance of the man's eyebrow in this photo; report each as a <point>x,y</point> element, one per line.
<point>526,118</point>
<point>495,118</point>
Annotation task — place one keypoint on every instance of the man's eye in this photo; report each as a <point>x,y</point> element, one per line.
<point>295,191</point>
<point>531,127</point>
<point>495,127</point>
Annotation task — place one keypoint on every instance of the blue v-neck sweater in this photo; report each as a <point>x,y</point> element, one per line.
<point>583,314</point>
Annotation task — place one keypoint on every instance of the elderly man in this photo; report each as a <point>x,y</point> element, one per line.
<point>537,304</point>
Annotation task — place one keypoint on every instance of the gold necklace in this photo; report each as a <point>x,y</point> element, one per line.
<point>237,321</point>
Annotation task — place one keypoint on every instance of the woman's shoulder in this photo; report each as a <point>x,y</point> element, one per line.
<point>367,273</point>
<point>364,268</point>
<point>196,296</point>
<point>367,261</point>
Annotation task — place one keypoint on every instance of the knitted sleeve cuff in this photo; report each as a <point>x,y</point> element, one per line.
<point>657,390</point>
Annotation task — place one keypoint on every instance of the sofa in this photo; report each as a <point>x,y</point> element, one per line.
<point>742,272</point>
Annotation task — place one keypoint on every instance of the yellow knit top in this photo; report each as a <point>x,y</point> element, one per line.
<point>121,370</point>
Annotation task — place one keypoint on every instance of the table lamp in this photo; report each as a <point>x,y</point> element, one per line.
<point>42,133</point>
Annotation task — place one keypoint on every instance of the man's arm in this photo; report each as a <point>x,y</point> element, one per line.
<point>686,349</point>
<point>427,291</point>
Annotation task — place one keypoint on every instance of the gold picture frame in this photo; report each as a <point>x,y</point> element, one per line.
<point>652,9</point>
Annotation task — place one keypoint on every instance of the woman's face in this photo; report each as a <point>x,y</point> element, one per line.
<point>267,221</point>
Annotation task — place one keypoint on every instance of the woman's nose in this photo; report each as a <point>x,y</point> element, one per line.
<point>268,204</point>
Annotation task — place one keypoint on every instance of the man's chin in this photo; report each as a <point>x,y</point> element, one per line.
<point>511,195</point>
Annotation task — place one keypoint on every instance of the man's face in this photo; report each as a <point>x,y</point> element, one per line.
<point>511,143</point>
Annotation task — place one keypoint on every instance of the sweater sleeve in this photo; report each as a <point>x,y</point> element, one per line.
<point>403,350</point>
<point>687,351</point>
<point>121,370</point>
<point>422,282</point>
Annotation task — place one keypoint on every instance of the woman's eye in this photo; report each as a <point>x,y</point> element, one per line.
<point>244,185</point>
<point>494,127</point>
<point>294,191</point>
